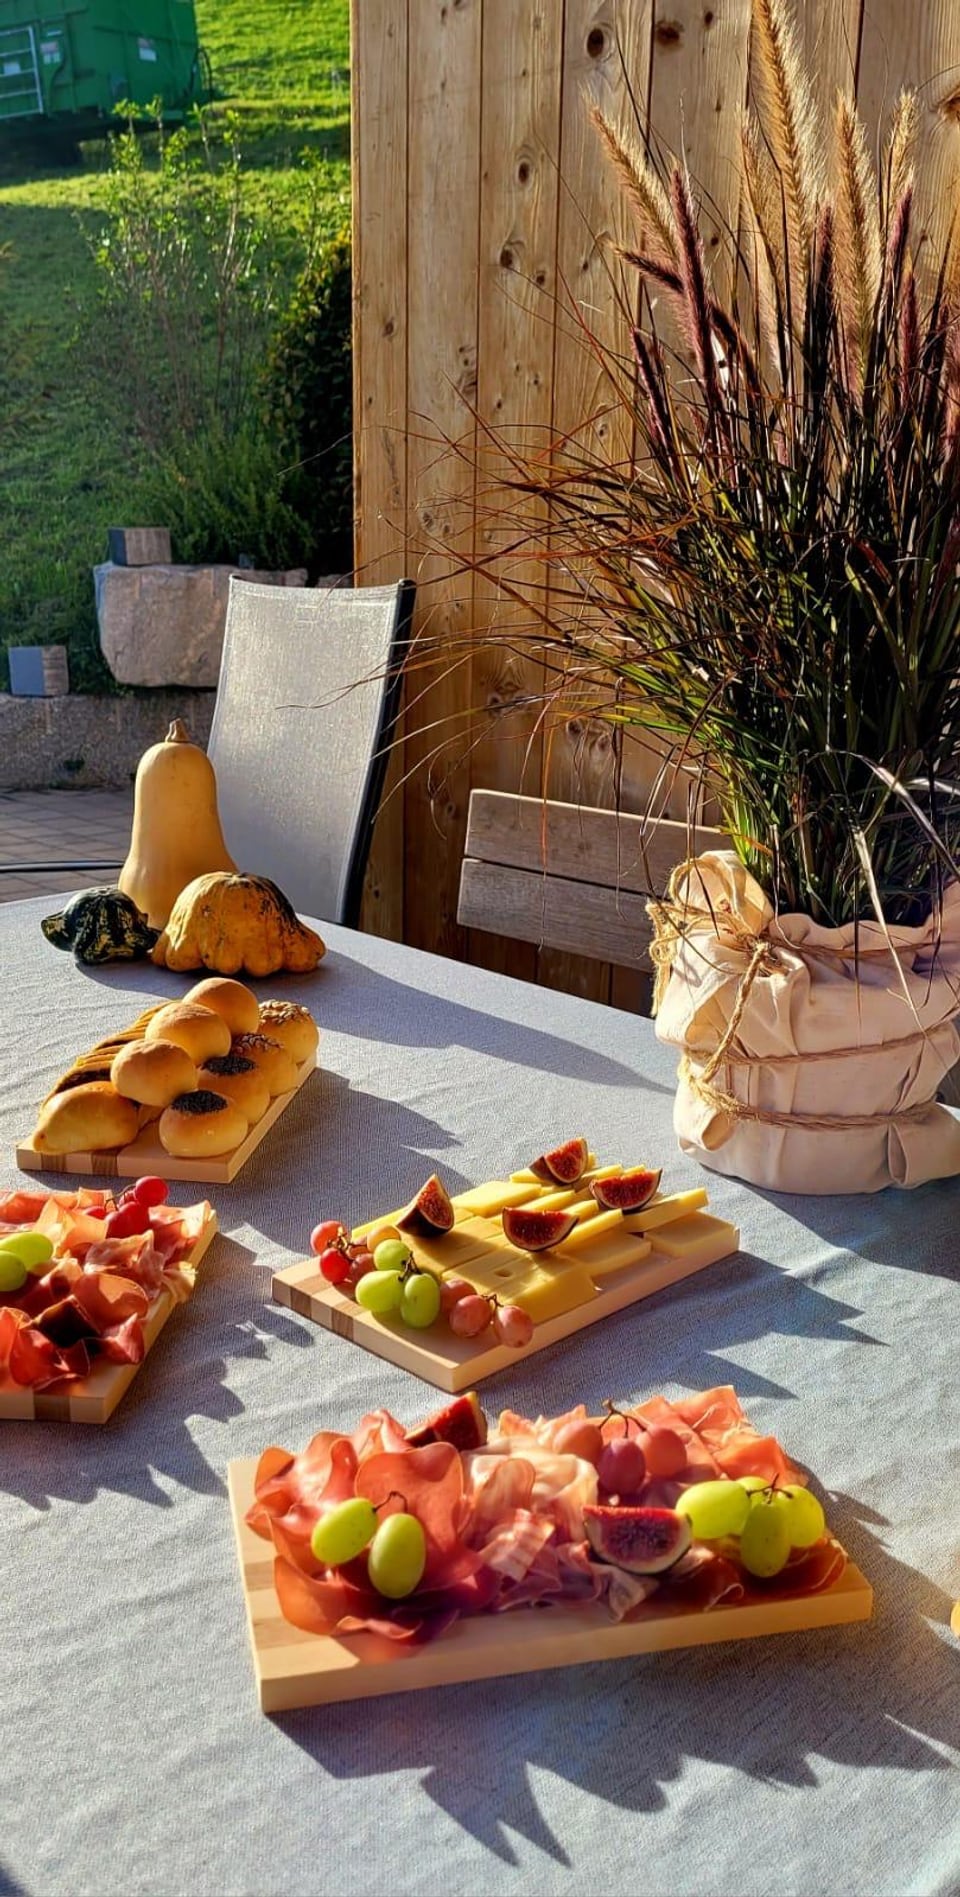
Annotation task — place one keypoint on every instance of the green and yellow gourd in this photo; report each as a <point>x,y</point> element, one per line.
<point>100,925</point>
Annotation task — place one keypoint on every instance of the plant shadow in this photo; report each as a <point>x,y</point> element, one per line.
<point>147,1440</point>
<point>913,1230</point>
<point>858,1697</point>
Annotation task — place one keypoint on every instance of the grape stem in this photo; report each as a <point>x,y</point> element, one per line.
<point>395,1495</point>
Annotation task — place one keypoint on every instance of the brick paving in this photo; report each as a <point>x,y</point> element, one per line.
<point>61,826</point>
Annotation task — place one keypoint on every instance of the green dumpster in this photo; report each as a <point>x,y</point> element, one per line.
<point>70,66</point>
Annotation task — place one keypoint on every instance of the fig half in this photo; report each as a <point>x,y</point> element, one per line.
<point>642,1540</point>
<point>628,1191</point>
<point>531,1230</point>
<point>430,1213</point>
<point>565,1166</point>
<point>462,1423</point>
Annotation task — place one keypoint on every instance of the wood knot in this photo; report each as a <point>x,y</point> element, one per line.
<point>596,42</point>
<point>668,32</point>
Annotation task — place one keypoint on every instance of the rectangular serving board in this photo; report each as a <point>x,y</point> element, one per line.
<point>146,1155</point>
<point>301,1669</point>
<point>459,1363</point>
<point>93,1399</point>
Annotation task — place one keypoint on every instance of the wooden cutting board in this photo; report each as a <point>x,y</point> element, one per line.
<point>301,1669</point>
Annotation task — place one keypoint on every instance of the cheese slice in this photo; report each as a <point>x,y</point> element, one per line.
<point>614,1251</point>
<point>666,1207</point>
<point>588,1229</point>
<point>486,1201</point>
<point>698,1240</point>
<point>544,1290</point>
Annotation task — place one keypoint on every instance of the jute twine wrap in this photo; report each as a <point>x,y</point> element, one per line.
<point>676,919</point>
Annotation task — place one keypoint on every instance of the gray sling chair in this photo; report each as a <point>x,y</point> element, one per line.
<point>309,690</point>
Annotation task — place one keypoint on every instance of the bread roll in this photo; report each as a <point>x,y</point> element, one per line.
<point>91,1118</point>
<point>200,1125</point>
<point>239,1080</point>
<point>237,1005</point>
<point>153,1072</point>
<point>196,1029</point>
<point>279,1069</point>
<point>292,1025</point>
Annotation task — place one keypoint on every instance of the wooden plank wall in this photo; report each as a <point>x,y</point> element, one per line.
<point>481,210</point>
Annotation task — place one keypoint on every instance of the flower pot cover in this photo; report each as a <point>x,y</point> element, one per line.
<point>810,1056</point>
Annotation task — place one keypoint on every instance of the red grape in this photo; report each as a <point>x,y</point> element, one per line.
<point>512,1325</point>
<point>335,1265</point>
<point>127,1221</point>
<point>151,1191</point>
<point>452,1290</point>
<point>583,1439</point>
<point>664,1450</point>
<point>359,1266</point>
<point>325,1235</point>
<point>470,1316</point>
<point>622,1466</point>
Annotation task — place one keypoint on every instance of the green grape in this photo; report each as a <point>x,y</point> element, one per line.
<point>13,1272</point>
<point>391,1255</point>
<point>420,1303</point>
<point>398,1556</point>
<point>714,1509</point>
<point>805,1518</point>
<point>380,1291</point>
<point>34,1249</point>
<point>765,1538</point>
<point>344,1531</point>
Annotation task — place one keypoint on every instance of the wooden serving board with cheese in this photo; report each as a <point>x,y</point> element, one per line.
<point>295,1668</point>
<point>146,1155</point>
<point>93,1399</point>
<point>610,1261</point>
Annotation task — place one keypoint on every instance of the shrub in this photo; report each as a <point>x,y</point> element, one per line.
<point>307,397</point>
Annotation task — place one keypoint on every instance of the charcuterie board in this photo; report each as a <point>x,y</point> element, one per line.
<point>93,1399</point>
<point>304,1669</point>
<point>146,1155</point>
<point>613,1270</point>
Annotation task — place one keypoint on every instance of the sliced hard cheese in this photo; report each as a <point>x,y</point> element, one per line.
<point>698,1240</point>
<point>544,1290</point>
<point>486,1201</point>
<point>588,1229</point>
<point>665,1208</point>
<point>527,1177</point>
<point>447,1251</point>
<point>614,1251</point>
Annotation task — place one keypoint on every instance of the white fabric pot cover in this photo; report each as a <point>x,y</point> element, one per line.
<point>829,1031</point>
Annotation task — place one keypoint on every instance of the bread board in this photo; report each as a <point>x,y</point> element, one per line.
<point>454,1363</point>
<point>146,1155</point>
<point>296,1669</point>
<point>93,1399</point>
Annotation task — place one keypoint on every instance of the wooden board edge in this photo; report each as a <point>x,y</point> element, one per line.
<point>130,1164</point>
<point>95,1401</point>
<point>328,1307</point>
<point>295,1669</point>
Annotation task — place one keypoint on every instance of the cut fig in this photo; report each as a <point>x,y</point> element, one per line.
<point>565,1165</point>
<point>628,1191</point>
<point>642,1540</point>
<point>462,1423</point>
<point>430,1213</point>
<point>531,1230</point>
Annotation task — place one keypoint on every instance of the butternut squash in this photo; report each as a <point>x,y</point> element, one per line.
<point>176,825</point>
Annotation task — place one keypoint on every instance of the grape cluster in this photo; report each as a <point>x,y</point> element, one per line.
<point>769,1519</point>
<point>385,1278</point>
<point>396,1547</point>
<point>29,1254</point>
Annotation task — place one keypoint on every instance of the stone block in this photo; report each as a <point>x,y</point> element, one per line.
<point>38,671</point>
<point>90,741</point>
<point>139,546</point>
<point>163,625</point>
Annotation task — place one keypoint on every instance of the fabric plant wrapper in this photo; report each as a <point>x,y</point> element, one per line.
<point>810,1056</point>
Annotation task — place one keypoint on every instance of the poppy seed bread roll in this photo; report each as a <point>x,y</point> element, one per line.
<point>240,1081</point>
<point>201,1125</point>
<point>279,1069</point>
<point>198,1030</point>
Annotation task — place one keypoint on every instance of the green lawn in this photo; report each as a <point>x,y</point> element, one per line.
<point>68,468</point>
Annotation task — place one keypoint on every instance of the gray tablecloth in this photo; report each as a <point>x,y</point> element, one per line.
<point>134,1757</point>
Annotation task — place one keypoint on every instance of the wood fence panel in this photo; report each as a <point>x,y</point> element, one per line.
<point>483,213</point>
<point>379,141</point>
<point>521,80</point>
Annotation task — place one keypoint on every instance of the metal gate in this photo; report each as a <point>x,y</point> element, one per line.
<point>21,95</point>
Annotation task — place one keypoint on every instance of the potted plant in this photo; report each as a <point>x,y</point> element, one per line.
<point>771,586</point>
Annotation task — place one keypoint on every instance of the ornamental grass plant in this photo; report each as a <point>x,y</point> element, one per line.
<point>769,581</point>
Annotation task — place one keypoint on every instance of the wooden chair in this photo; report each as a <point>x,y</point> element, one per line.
<point>568,877</point>
<point>309,690</point>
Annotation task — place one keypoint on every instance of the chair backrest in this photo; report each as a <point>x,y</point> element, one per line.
<point>309,690</point>
<point>567,876</point>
